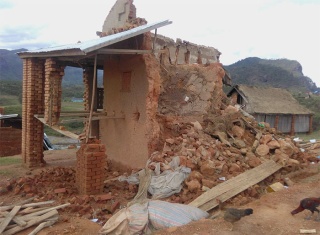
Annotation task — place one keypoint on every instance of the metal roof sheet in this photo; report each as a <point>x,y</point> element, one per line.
<point>83,48</point>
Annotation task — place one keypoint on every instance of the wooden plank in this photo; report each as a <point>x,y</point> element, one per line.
<point>78,114</point>
<point>29,216</point>
<point>16,219</point>
<point>56,128</point>
<point>93,118</point>
<point>31,210</point>
<point>25,201</point>
<point>42,226</point>
<point>94,88</point>
<point>5,208</point>
<point>8,218</point>
<point>31,223</point>
<point>235,185</point>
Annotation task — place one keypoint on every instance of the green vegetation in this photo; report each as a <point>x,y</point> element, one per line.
<point>4,161</point>
<point>5,173</point>
<point>313,135</point>
<point>313,104</point>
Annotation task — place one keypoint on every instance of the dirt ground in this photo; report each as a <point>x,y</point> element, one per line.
<point>271,211</point>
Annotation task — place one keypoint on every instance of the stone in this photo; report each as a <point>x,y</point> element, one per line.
<point>262,150</point>
<point>193,185</point>
<point>237,131</point>
<point>208,183</point>
<point>208,168</point>
<point>234,168</point>
<point>197,125</point>
<point>265,139</point>
<point>273,144</point>
<point>253,161</point>
<point>60,190</point>
<point>286,148</point>
<point>170,141</point>
<point>238,143</point>
<point>115,206</point>
<point>195,175</point>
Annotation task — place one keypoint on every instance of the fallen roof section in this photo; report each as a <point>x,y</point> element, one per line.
<point>83,48</point>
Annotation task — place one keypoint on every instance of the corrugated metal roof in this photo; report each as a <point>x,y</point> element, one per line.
<point>83,48</point>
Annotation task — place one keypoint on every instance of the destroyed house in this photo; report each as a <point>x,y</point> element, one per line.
<point>274,106</point>
<point>148,80</point>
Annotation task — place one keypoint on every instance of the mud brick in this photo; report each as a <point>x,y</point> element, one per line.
<point>60,190</point>
<point>115,206</point>
<point>103,197</point>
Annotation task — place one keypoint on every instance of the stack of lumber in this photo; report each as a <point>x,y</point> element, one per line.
<point>23,215</point>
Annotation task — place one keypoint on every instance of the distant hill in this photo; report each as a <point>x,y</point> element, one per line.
<point>281,73</point>
<point>10,65</point>
<point>11,68</point>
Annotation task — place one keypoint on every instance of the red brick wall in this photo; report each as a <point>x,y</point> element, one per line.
<point>53,90</point>
<point>32,103</point>
<point>91,167</point>
<point>10,141</point>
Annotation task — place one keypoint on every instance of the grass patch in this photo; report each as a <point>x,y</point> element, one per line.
<point>5,161</point>
<point>5,173</point>
<point>72,106</point>
<point>8,100</point>
<point>313,135</point>
<point>13,109</point>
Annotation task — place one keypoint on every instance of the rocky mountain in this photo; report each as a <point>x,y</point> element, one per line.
<point>281,73</point>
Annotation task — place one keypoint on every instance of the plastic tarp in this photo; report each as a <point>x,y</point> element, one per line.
<point>165,184</point>
<point>145,217</point>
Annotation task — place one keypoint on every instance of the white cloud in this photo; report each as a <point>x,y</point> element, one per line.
<point>267,28</point>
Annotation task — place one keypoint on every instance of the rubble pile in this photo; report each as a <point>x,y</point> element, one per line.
<point>219,150</point>
<point>58,185</point>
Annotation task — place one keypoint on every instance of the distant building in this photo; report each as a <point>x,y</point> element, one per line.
<point>274,106</point>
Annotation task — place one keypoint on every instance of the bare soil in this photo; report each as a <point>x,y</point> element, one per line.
<point>271,211</point>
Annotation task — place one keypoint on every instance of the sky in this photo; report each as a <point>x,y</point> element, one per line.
<point>268,29</point>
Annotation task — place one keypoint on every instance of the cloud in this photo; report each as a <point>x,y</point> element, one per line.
<point>6,4</point>
<point>269,29</point>
<point>21,37</point>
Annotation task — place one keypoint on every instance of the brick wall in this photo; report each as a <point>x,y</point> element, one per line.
<point>32,103</point>
<point>53,90</point>
<point>90,170</point>
<point>10,141</point>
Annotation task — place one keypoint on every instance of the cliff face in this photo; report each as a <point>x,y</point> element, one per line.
<point>281,73</point>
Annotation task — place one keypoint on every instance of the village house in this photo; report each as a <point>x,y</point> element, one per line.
<point>146,77</point>
<point>275,106</point>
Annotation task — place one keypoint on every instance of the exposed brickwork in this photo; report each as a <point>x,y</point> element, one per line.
<point>32,103</point>
<point>10,141</point>
<point>53,90</point>
<point>91,164</point>
<point>87,75</point>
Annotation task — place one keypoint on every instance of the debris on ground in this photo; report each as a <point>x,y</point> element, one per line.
<point>18,217</point>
